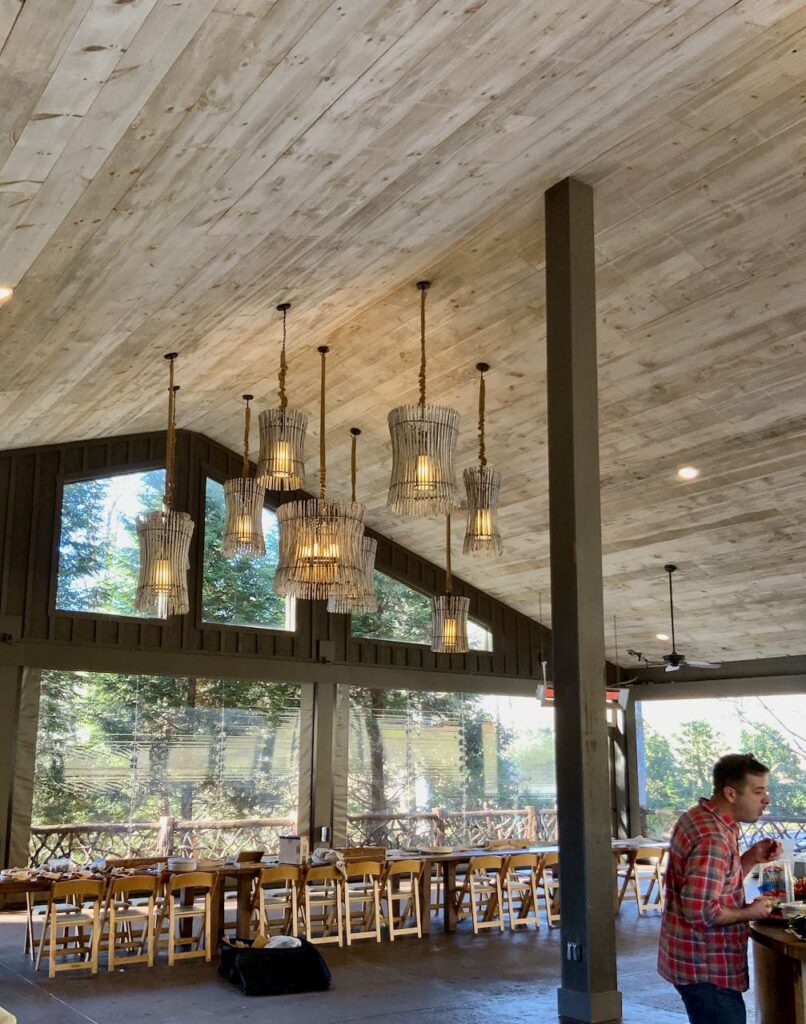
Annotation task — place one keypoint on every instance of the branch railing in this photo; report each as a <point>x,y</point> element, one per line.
<point>82,842</point>
<point>660,822</point>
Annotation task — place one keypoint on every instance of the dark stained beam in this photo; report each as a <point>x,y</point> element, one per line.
<point>588,991</point>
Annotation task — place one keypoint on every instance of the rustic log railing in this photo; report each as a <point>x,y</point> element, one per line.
<point>220,838</point>
<point>660,822</point>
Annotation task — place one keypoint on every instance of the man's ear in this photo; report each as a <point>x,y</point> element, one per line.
<point>730,793</point>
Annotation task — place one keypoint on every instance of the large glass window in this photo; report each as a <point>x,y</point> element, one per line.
<point>212,762</point>
<point>447,767</point>
<point>98,555</point>
<point>682,739</point>
<point>404,615</point>
<point>239,591</point>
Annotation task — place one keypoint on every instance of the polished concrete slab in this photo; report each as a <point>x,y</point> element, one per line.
<point>445,979</point>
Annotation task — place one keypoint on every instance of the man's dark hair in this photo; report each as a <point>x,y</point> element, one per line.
<point>732,769</point>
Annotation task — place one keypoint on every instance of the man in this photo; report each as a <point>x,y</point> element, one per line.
<point>704,930</point>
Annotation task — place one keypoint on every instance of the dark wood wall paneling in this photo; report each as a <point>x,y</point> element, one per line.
<point>31,483</point>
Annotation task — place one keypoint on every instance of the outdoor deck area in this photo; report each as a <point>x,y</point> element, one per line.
<point>462,978</point>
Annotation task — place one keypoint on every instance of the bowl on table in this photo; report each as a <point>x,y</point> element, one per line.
<point>182,863</point>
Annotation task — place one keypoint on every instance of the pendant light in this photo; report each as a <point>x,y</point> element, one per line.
<point>243,497</point>
<point>482,485</point>
<point>281,464</point>
<point>545,689</point>
<point>363,600</point>
<point>164,537</point>
<point>423,444</point>
<point>320,540</point>
<point>449,612</point>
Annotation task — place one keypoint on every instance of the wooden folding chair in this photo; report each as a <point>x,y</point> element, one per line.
<point>548,885</point>
<point>483,893</point>
<point>362,900</point>
<point>276,900</point>
<point>648,879</point>
<point>521,873</point>
<point>83,898</point>
<point>129,919</point>
<point>178,912</point>
<point>322,904</point>
<point>401,886</point>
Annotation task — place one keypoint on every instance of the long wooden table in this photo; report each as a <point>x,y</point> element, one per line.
<point>452,861</point>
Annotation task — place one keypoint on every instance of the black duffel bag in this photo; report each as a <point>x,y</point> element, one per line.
<point>273,972</point>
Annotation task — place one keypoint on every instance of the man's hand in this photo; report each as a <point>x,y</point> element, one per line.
<point>760,908</point>
<point>765,850</point>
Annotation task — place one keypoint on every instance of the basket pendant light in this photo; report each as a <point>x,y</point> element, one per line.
<point>482,485</point>
<point>281,464</point>
<point>365,599</point>
<point>320,540</point>
<point>449,613</point>
<point>163,537</point>
<point>243,496</point>
<point>424,439</point>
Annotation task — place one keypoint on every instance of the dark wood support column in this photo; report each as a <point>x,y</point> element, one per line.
<point>588,991</point>
<point>633,767</point>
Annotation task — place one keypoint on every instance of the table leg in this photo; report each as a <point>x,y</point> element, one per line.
<point>425,896</point>
<point>449,895</point>
<point>217,911</point>
<point>244,929</point>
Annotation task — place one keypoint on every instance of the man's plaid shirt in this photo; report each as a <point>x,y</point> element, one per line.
<point>704,874</point>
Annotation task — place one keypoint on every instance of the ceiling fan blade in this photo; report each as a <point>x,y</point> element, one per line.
<point>672,668</point>
<point>703,664</point>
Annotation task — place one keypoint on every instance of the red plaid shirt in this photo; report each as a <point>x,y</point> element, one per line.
<point>704,874</point>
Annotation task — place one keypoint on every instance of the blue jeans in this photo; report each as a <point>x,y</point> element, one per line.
<point>709,1004</point>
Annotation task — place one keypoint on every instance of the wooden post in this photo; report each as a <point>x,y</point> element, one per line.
<point>165,835</point>
<point>588,946</point>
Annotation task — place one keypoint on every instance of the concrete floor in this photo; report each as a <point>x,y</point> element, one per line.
<point>446,979</point>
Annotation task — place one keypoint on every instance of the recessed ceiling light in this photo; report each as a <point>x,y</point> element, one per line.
<point>662,636</point>
<point>688,473</point>
<point>5,293</point>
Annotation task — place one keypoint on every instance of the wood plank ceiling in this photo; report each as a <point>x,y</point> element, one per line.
<point>171,169</point>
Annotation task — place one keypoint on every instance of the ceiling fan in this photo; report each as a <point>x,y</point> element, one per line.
<point>675,660</point>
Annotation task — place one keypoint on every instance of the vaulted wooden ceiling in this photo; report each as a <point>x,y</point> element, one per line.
<point>171,169</point>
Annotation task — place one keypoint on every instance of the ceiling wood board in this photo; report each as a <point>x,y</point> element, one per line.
<point>172,169</point>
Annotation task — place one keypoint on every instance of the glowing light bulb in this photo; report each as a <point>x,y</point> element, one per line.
<point>483,524</point>
<point>5,293</point>
<point>243,528</point>
<point>688,473</point>
<point>280,461</point>
<point>162,576</point>
<point>424,474</point>
<point>449,631</point>
<point>317,551</point>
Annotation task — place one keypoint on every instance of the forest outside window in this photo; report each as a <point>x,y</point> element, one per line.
<point>239,591</point>
<point>98,553</point>
<point>120,759</point>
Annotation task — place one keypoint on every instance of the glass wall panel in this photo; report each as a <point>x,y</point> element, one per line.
<point>440,768</point>
<point>98,555</point>
<point>680,740</point>
<point>239,591</point>
<point>120,758</point>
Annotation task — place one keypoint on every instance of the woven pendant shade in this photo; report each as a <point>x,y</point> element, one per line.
<point>281,465</point>
<point>482,486</point>
<point>243,499</point>
<point>449,612</point>
<point>320,540</point>
<point>164,537</point>
<point>449,624</point>
<point>424,437</point>
<point>363,599</point>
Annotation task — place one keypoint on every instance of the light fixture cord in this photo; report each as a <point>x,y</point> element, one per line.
<point>247,422</point>
<point>322,470</point>
<point>422,345</point>
<point>283,368</point>
<point>448,578</point>
<point>353,463</point>
<point>482,452</point>
<point>170,439</point>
